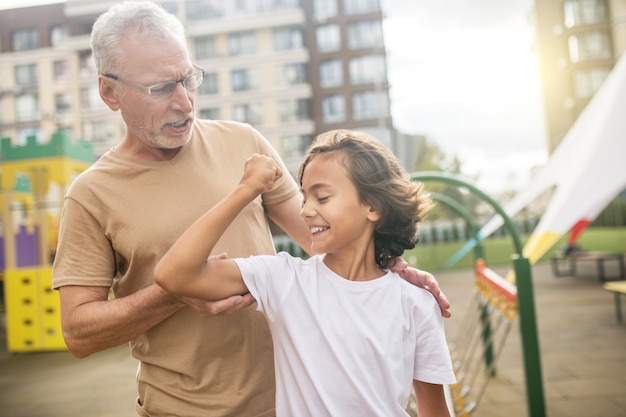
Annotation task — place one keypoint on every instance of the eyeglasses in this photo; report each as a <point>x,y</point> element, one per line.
<point>190,82</point>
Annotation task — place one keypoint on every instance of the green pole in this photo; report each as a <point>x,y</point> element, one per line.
<point>478,254</point>
<point>530,341</point>
<point>462,211</point>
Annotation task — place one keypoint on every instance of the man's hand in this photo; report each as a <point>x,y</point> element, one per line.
<point>226,306</point>
<point>424,280</point>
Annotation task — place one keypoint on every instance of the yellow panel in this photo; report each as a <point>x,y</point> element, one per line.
<point>21,300</point>
<point>50,312</point>
<point>32,311</point>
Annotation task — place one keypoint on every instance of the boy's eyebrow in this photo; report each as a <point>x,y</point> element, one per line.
<point>316,187</point>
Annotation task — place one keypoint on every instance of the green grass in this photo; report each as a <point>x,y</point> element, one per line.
<point>498,250</point>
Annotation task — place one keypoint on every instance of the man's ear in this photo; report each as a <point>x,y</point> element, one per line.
<point>108,93</point>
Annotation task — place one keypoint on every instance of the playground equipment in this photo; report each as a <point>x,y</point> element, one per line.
<point>34,179</point>
<point>498,302</point>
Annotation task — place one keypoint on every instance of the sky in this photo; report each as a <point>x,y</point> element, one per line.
<point>463,73</point>
<point>9,4</point>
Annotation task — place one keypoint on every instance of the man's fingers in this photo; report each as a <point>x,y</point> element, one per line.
<point>226,306</point>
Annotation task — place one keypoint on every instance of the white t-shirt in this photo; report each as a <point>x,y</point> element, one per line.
<point>346,348</point>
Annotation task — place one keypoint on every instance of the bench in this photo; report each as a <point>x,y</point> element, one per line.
<point>572,258</point>
<point>618,288</point>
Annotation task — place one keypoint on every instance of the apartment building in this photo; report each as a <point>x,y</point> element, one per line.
<point>291,68</point>
<point>36,78</point>
<point>579,42</point>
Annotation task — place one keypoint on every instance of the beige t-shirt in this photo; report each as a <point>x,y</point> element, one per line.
<point>122,214</point>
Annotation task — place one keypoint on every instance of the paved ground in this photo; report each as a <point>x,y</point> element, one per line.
<point>583,353</point>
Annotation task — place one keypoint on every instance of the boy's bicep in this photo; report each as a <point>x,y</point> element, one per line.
<point>221,279</point>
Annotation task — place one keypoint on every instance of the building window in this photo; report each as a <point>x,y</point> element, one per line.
<point>328,38</point>
<point>210,113</point>
<point>24,40</point>
<point>583,12</point>
<point>90,98</point>
<point>276,5</point>
<point>331,73</point>
<point>242,43</point>
<point>245,79</point>
<point>100,133</point>
<point>243,7</point>
<point>87,63</point>
<point>247,113</point>
<point>58,35</point>
<point>334,108</point>
<point>588,82</point>
<point>589,46</point>
<point>370,105</point>
<point>26,75</point>
<point>365,34</point>
<point>295,146</point>
<point>63,103</point>
<point>209,84</point>
<point>351,7</point>
<point>66,129</point>
<point>23,134</point>
<point>292,74</point>
<point>27,107</point>
<point>325,9</point>
<point>205,47</point>
<point>62,70</point>
<point>170,6</point>
<point>203,9</point>
<point>368,69</point>
<point>288,38</point>
<point>295,110</point>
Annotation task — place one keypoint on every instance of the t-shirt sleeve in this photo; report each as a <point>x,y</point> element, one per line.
<point>84,254</point>
<point>268,280</point>
<point>432,356</point>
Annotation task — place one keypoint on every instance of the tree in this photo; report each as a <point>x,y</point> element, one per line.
<point>427,156</point>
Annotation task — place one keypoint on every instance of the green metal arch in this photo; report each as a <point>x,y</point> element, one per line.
<point>525,296</point>
<point>462,211</point>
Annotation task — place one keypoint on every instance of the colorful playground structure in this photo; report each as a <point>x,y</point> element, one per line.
<point>34,178</point>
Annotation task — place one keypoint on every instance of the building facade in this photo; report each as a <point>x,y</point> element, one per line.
<point>579,42</point>
<point>291,68</point>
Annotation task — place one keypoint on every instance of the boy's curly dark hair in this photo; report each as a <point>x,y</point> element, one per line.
<point>380,182</point>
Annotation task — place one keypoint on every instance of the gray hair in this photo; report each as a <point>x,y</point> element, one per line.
<point>147,18</point>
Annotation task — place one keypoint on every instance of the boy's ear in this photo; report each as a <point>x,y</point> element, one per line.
<point>373,215</point>
<point>108,92</point>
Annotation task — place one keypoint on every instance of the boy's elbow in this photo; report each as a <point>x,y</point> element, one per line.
<point>160,278</point>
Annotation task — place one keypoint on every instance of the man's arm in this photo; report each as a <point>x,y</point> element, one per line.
<point>185,270</point>
<point>92,322</point>
<point>287,216</point>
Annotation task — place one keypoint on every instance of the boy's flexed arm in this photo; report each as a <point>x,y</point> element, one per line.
<point>186,268</point>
